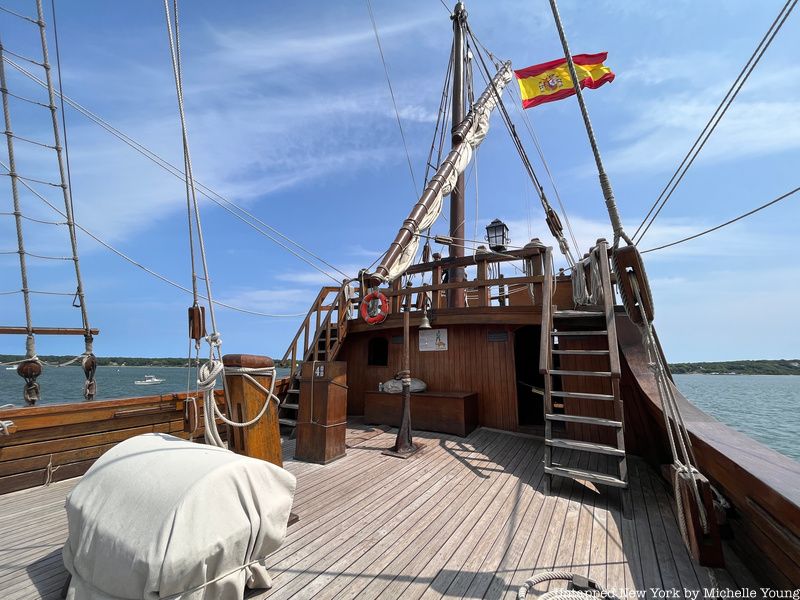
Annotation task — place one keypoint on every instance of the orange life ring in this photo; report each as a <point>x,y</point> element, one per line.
<point>380,316</point>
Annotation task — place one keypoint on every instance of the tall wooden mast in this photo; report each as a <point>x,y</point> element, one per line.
<point>456,296</point>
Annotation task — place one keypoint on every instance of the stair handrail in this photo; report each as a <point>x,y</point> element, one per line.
<point>546,341</point>
<point>608,307</point>
<point>291,350</point>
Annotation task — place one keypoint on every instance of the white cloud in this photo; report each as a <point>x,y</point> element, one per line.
<point>661,130</point>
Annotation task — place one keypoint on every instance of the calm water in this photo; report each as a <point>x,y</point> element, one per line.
<point>65,384</point>
<point>765,407</point>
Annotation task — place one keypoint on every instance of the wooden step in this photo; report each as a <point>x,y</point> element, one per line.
<point>592,332</point>
<point>585,446</point>
<point>292,391</point>
<point>584,420</point>
<point>288,422</point>
<point>592,476</point>
<point>582,352</point>
<point>290,406</point>
<point>583,395</point>
<point>581,373</point>
<point>577,314</point>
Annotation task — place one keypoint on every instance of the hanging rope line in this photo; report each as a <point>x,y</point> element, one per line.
<point>391,93</point>
<point>19,15</point>
<point>139,265</point>
<point>224,203</point>
<point>532,133</point>
<point>88,359</point>
<point>726,223</point>
<point>715,119</point>
<point>605,183</point>
<point>551,216</point>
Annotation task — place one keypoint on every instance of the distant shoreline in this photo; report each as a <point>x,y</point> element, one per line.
<point>733,367</point>
<point>739,367</point>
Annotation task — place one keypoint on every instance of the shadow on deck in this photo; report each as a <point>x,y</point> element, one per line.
<point>466,518</point>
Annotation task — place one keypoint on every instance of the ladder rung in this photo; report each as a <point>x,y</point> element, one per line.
<point>585,475</point>
<point>584,420</point>
<point>290,406</point>
<point>583,395</point>
<point>576,314</point>
<point>582,352</point>
<point>581,373</point>
<point>292,391</point>
<point>593,332</point>
<point>288,422</point>
<point>585,446</point>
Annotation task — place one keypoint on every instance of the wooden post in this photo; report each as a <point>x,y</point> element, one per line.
<point>262,439</point>
<point>484,293</point>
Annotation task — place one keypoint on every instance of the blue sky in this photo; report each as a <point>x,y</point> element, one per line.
<point>289,115</point>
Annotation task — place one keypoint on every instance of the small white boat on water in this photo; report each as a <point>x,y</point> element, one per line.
<point>11,368</point>
<point>148,380</point>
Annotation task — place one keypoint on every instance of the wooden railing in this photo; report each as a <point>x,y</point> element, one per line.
<point>325,316</point>
<point>482,291</point>
<point>608,307</point>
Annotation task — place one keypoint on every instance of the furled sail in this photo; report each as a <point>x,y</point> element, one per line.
<point>468,135</point>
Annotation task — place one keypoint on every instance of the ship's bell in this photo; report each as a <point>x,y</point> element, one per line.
<point>425,323</point>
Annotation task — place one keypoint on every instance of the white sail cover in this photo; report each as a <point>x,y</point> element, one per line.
<point>157,517</point>
<point>476,134</point>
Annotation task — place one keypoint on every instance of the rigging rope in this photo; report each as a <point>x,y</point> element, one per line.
<point>532,133</point>
<point>551,216</point>
<point>715,118</point>
<point>139,265</point>
<point>89,362</point>
<point>726,223</point>
<point>391,93</point>
<point>29,368</point>
<point>207,375</point>
<point>605,183</point>
<point>224,203</point>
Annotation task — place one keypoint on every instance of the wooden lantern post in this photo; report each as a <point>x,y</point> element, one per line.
<point>404,444</point>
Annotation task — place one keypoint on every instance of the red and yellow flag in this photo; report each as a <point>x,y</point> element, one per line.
<point>551,80</point>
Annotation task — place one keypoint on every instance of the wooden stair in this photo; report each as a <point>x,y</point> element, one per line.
<point>589,383</point>
<point>319,338</point>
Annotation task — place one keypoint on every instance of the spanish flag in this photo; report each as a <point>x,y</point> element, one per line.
<point>551,80</point>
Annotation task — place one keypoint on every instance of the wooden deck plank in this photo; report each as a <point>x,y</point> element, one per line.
<point>354,506</point>
<point>393,576</point>
<point>666,519</point>
<point>371,564</point>
<point>385,514</point>
<point>430,526</point>
<point>651,574</point>
<point>464,563</point>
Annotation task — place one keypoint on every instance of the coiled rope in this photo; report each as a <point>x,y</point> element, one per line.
<point>566,594</point>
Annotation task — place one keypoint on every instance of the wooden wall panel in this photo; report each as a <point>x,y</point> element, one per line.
<point>472,363</point>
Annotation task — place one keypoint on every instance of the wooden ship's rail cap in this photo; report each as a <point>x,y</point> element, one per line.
<point>248,361</point>
<point>46,331</point>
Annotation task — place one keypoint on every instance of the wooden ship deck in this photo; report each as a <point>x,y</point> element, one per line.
<point>465,518</point>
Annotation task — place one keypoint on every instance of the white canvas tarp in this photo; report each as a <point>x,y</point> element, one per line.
<point>158,517</point>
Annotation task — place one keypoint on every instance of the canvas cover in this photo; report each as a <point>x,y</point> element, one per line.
<point>159,517</point>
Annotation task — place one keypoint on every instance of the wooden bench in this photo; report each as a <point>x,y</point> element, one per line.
<point>442,412</point>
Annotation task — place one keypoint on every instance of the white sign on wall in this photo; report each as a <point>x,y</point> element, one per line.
<point>431,340</point>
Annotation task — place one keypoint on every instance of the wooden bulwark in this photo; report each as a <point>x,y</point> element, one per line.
<point>57,442</point>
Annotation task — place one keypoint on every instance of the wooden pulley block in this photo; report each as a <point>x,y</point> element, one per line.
<point>627,265</point>
<point>705,546</point>
<point>30,369</point>
<point>554,223</point>
<point>197,322</point>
